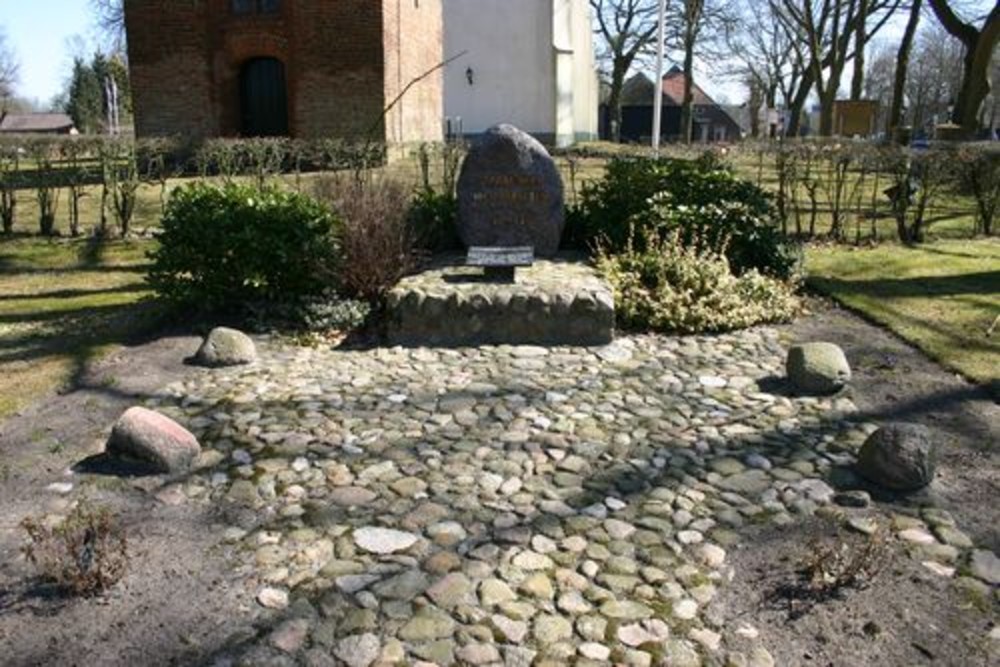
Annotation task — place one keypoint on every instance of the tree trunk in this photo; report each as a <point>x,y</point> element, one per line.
<point>902,65</point>
<point>771,95</point>
<point>687,107</point>
<point>755,104</point>
<point>615,102</point>
<point>797,104</point>
<point>975,86</point>
<point>979,45</point>
<point>827,98</point>
<point>858,80</point>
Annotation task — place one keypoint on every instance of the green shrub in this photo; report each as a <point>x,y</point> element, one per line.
<point>224,247</point>
<point>671,287</point>
<point>433,220</point>
<point>734,228</point>
<point>434,210</point>
<point>703,199</point>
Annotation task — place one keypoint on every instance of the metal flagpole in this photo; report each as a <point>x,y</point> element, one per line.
<point>658,83</point>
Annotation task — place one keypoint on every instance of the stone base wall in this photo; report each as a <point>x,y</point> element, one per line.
<point>560,302</point>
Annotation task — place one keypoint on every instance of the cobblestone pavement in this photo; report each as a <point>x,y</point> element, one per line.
<point>508,505</point>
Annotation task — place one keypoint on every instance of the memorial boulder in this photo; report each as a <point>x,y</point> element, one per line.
<point>510,194</point>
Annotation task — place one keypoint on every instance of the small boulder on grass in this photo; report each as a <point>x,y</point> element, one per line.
<point>900,457</point>
<point>226,347</point>
<point>817,368</point>
<point>153,439</point>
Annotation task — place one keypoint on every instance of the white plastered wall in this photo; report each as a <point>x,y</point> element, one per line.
<point>508,56</point>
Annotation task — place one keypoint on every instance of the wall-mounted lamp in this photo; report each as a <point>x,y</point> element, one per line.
<point>471,76</point>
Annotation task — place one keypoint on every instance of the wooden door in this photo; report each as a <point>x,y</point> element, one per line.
<point>264,98</point>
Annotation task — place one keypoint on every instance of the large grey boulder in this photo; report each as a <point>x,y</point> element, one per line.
<point>153,439</point>
<point>510,193</point>
<point>226,347</point>
<point>900,457</point>
<point>817,368</point>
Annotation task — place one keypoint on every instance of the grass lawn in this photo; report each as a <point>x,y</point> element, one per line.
<point>944,296</point>
<point>62,304</point>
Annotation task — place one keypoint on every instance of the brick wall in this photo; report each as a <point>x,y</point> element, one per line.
<point>171,79</point>
<point>343,63</point>
<point>414,44</point>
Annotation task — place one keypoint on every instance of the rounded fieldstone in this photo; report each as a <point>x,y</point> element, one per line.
<point>351,496</point>
<point>358,650</point>
<point>985,565</point>
<point>273,598</point>
<point>510,193</point>
<point>383,540</point>
<point>901,457</point>
<point>817,368</point>
<point>226,347</point>
<point>549,629</point>
<point>154,439</point>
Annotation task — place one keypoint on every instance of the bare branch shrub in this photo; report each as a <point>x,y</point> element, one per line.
<point>844,562</point>
<point>10,164</point>
<point>831,566</point>
<point>978,169</point>
<point>85,554</point>
<point>46,188</point>
<point>378,248</point>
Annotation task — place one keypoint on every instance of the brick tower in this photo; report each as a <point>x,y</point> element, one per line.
<point>300,68</point>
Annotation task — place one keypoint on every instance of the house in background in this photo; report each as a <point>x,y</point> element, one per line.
<point>712,123</point>
<point>855,118</point>
<point>37,123</point>
<point>525,62</point>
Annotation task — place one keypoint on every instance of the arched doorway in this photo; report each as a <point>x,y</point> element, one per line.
<point>263,98</point>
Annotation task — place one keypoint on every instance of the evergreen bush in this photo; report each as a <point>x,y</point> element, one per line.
<point>223,247</point>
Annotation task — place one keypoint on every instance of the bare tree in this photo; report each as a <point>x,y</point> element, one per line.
<point>765,59</point>
<point>700,26</point>
<point>979,45</point>
<point>8,71</point>
<point>934,77</point>
<point>880,73</point>
<point>627,29</point>
<point>110,17</point>
<point>831,36</point>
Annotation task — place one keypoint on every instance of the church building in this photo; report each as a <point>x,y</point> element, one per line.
<point>525,62</point>
<point>299,68</point>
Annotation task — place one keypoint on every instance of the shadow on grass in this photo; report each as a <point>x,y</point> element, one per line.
<point>76,293</point>
<point>946,344</point>
<point>938,250</point>
<point>33,255</point>
<point>984,282</point>
<point>64,359</point>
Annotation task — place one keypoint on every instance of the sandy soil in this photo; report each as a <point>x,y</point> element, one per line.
<point>908,616</point>
<point>179,599</point>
